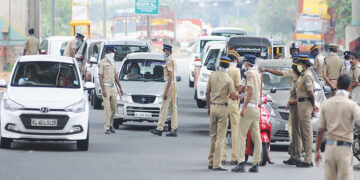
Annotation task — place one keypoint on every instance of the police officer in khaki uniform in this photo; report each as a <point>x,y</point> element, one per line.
<point>108,76</point>
<point>332,67</point>
<point>304,87</point>
<point>73,45</point>
<point>221,87</point>
<point>31,46</point>
<point>234,109</point>
<point>318,63</point>
<point>354,71</point>
<point>337,116</point>
<point>250,115</point>
<point>169,96</point>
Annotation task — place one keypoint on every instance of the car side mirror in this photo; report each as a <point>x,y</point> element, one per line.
<point>178,78</point>
<point>89,86</point>
<point>211,66</point>
<point>3,83</point>
<point>273,90</point>
<point>93,60</point>
<point>327,90</point>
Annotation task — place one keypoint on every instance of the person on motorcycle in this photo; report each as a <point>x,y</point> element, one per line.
<point>338,114</point>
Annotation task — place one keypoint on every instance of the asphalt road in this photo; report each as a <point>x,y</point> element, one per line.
<point>133,153</point>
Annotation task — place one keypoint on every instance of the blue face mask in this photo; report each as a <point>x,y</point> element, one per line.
<point>78,43</point>
<point>165,55</point>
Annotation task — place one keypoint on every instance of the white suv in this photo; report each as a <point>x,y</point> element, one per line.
<point>45,100</point>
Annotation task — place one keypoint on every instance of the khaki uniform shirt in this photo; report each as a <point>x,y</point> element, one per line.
<point>170,67</point>
<point>354,73</point>
<point>32,45</point>
<point>318,66</point>
<point>337,116</point>
<point>108,70</point>
<point>333,66</point>
<point>235,75</point>
<point>221,86</point>
<point>69,46</point>
<point>289,73</point>
<point>304,84</point>
<point>253,79</point>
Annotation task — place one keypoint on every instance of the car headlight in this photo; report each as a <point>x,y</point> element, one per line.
<point>125,98</point>
<point>159,99</point>
<point>12,105</point>
<point>272,112</point>
<point>76,107</point>
<point>204,77</point>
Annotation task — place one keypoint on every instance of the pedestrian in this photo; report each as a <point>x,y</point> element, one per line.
<point>108,77</point>
<point>32,45</point>
<point>234,109</point>
<point>221,87</point>
<point>169,95</point>
<point>333,66</point>
<point>72,47</point>
<point>295,146</point>
<point>318,63</point>
<point>250,115</point>
<point>337,116</point>
<point>304,88</point>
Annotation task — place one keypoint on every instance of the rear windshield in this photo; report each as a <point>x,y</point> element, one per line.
<point>45,74</point>
<point>123,50</point>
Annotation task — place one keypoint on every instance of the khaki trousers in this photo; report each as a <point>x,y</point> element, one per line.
<point>110,105</point>
<point>304,118</point>
<point>217,132</point>
<point>250,121</point>
<point>234,113</point>
<point>338,162</point>
<point>169,102</point>
<point>296,147</point>
<point>81,67</point>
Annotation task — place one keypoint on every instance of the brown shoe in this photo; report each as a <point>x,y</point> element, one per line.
<point>223,162</point>
<point>234,163</point>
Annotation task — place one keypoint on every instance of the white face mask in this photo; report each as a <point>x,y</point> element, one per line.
<point>165,55</point>
<point>110,56</point>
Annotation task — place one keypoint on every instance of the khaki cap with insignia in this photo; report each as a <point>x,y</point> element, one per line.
<point>333,45</point>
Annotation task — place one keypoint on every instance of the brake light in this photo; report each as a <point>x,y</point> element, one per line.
<point>197,59</point>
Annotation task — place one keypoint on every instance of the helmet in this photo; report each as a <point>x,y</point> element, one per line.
<point>294,45</point>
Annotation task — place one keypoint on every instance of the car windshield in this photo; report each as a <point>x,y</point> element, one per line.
<point>45,74</point>
<point>311,27</point>
<point>274,81</point>
<point>123,50</point>
<point>142,70</point>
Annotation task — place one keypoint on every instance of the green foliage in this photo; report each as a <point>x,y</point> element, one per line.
<point>62,18</point>
<point>342,15</point>
<point>277,16</point>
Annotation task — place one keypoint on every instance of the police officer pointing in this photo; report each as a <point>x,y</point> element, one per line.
<point>337,116</point>
<point>108,77</point>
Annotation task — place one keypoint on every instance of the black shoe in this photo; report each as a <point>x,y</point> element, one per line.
<point>156,132</point>
<point>304,165</point>
<point>254,169</point>
<point>107,132</point>
<point>220,168</point>
<point>172,133</point>
<point>112,129</point>
<point>292,161</point>
<point>239,168</point>
<point>209,167</point>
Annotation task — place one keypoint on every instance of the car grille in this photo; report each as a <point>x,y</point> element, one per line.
<point>154,111</point>
<point>282,133</point>
<point>61,121</point>
<point>143,99</point>
<point>284,115</point>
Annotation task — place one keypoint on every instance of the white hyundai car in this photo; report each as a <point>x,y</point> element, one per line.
<point>45,99</point>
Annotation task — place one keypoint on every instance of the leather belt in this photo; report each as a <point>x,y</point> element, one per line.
<point>253,105</point>
<point>304,99</point>
<point>338,143</point>
<point>109,84</point>
<point>218,104</point>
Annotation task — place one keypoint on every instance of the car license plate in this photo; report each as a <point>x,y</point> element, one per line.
<point>44,122</point>
<point>286,127</point>
<point>143,115</point>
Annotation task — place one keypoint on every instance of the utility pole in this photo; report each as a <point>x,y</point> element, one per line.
<point>104,19</point>
<point>148,27</point>
<point>53,17</point>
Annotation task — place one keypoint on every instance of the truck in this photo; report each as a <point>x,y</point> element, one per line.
<point>188,31</point>
<point>314,25</point>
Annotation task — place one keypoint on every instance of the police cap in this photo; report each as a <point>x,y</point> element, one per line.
<point>168,47</point>
<point>109,47</point>
<point>225,59</point>
<point>314,48</point>
<point>250,58</point>
<point>80,35</point>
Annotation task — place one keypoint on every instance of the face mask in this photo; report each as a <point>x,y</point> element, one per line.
<point>299,67</point>
<point>347,63</point>
<point>78,43</point>
<point>165,55</point>
<point>110,56</point>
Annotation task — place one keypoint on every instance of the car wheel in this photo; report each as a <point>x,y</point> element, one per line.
<point>97,101</point>
<point>83,145</point>
<point>6,143</point>
<point>264,154</point>
<point>191,83</point>
<point>200,103</point>
<point>117,123</point>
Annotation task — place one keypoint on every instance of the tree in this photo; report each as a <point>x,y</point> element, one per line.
<point>62,18</point>
<point>342,15</point>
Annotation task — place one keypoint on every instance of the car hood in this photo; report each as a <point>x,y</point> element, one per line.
<point>143,87</point>
<point>34,97</point>
<point>280,98</point>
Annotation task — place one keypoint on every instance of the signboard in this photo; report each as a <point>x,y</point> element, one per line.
<point>79,10</point>
<point>146,6</point>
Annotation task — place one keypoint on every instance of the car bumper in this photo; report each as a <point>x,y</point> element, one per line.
<point>126,112</point>
<point>16,125</point>
<point>201,90</point>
